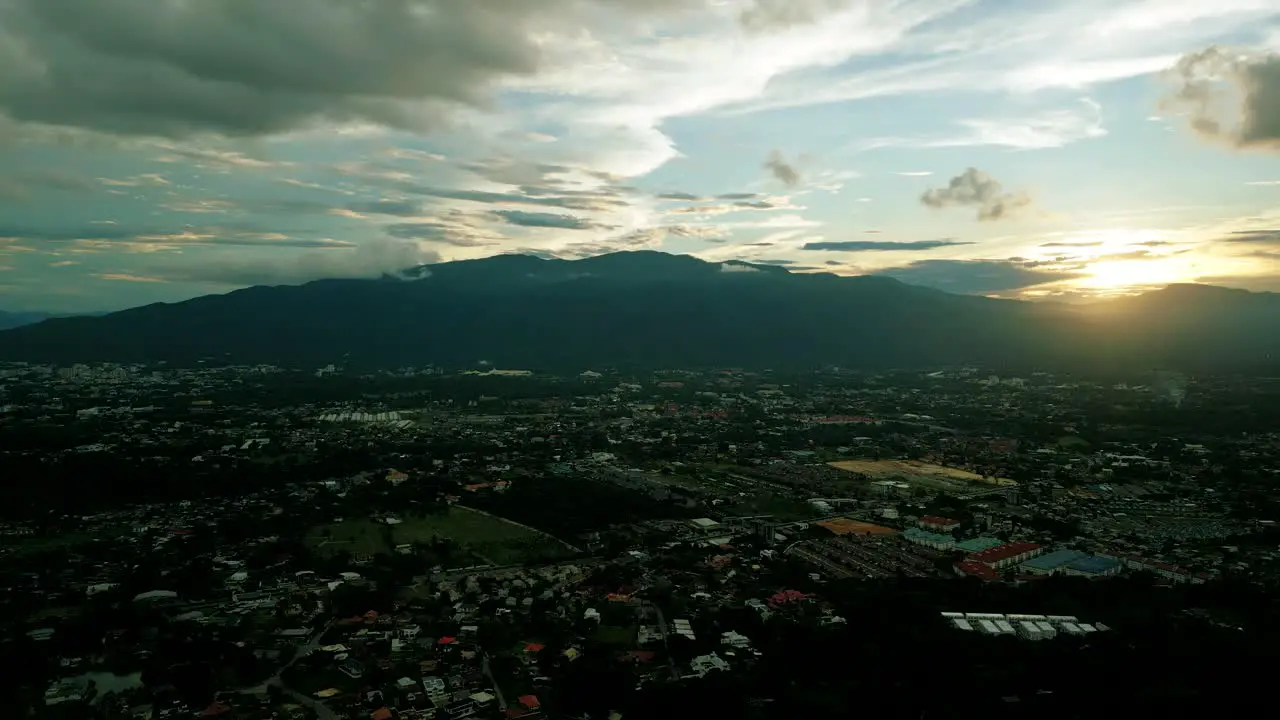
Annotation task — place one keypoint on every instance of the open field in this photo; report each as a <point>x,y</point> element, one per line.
<point>921,474</point>
<point>847,526</point>
<point>490,539</point>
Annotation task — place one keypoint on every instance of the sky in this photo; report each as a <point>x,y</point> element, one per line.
<point>156,150</point>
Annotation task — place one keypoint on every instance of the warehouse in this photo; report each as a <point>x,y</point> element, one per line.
<point>1093,566</point>
<point>1051,563</point>
<point>979,544</point>
<point>1006,555</point>
<point>928,539</point>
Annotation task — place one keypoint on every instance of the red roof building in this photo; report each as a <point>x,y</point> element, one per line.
<point>534,647</point>
<point>937,523</point>
<point>530,701</point>
<point>1002,556</point>
<point>978,570</point>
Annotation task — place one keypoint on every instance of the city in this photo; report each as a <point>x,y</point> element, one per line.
<point>248,542</point>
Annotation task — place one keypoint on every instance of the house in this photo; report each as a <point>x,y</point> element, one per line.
<point>704,664</point>
<point>352,669</point>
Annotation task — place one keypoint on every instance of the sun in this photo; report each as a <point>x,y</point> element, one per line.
<point>1118,274</point>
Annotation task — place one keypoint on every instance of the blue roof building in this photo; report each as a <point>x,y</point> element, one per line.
<point>1093,566</point>
<point>1052,562</point>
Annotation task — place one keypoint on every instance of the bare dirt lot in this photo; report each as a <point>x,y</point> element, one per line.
<point>921,474</point>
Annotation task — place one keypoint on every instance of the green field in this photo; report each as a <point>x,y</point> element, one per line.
<point>490,539</point>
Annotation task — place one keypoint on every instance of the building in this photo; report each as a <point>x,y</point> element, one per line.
<point>1003,556</point>
<point>978,544</point>
<point>938,524</point>
<point>1052,562</point>
<point>705,525</point>
<point>1093,566</point>
<point>937,541</point>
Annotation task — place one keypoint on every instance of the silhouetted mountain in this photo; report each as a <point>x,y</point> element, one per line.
<point>649,309</point>
<point>10,320</point>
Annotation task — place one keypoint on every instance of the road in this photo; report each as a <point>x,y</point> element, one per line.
<point>662,628</point>
<point>321,710</point>
<point>484,665</point>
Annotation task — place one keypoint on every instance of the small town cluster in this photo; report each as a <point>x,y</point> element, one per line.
<point>256,542</point>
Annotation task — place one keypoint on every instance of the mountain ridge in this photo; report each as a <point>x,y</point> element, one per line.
<point>650,309</point>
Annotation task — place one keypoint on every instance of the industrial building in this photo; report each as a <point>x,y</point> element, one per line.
<point>937,541</point>
<point>1051,562</point>
<point>1027,627</point>
<point>938,524</point>
<point>1003,556</point>
<point>978,544</point>
<point>1093,566</point>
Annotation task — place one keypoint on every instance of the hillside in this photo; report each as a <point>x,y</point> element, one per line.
<point>650,309</point>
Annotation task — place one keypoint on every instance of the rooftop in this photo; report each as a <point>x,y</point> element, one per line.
<point>1054,560</point>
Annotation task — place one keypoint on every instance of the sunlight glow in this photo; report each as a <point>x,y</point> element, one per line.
<point>1111,274</point>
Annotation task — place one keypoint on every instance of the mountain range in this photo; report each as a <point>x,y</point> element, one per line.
<point>649,310</point>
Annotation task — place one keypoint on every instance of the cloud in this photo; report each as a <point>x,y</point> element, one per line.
<point>686,197</point>
<point>1072,244</point>
<point>763,15</point>
<point>548,220</point>
<point>173,68</point>
<point>1264,182</point>
<point>1267,237</point>
<point>21,186</point>
<point>1037,131</point>
<point>974,187</point>
<point>885,246</point>
<point>369,259</point>
<point>915,173</point>
<point>781,170</point>
<point>976,276</point>
<point>128,277</point>
<point>402,208</point>
<point>732,267</point>
<point>1229,96</point>
<point>457,231</point>
<point>126,238</point>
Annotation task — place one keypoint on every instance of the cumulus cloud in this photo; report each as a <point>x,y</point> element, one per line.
<point>975,188</point>
<point>976,276</point>
<point>1228,96</point>
<point>732,267</point>
<point>882,246</point>
<point>783,171</point>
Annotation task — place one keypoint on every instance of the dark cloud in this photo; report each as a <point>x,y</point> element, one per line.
<point>457,234</point>
<point>1229,97</point>
<point>402,208</point>
<point>1267,237</point>
<point>738,196</point>
<point>886,246</point>
<point>976,276</point>
<point>548,220</point>
<point>586,201</point>
<point>782,171</point>
<point>975,188</point>
<point>247,67</point>
<point>687,197</point>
